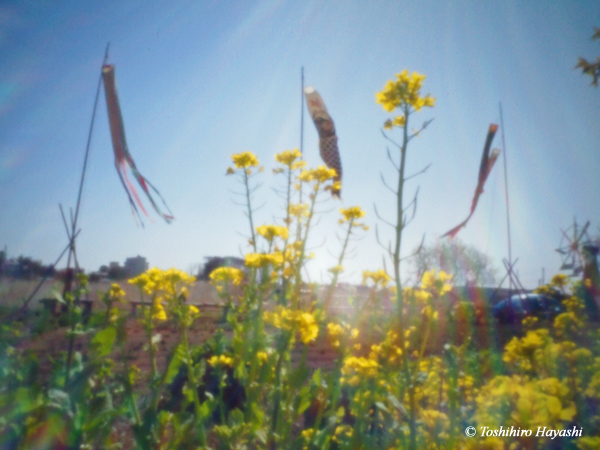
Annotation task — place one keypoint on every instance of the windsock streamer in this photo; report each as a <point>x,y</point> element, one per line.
<point>327,138</point>
<point>123,158</point>
<point>487,162</point>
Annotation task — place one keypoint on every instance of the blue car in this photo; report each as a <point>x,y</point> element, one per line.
<point>515,308</point>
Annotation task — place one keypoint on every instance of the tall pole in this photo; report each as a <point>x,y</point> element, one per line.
<point>299,232</point>
<point>69,277</point>
<point>507,202</point>
<point>302,109</point>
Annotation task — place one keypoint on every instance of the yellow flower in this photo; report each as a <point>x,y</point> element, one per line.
<point>559,280</point>
<point>258,260</point>
<point>158,310</point>
<point>405,91</point>
<point>220,361</point>
<point>321,174</point>
<point>269,232</point>
<point>588,442</point>
<point>436,285</point>
<point>298,210</point>
<point>308,433</point>
<point>116,292</point>
<point>262,356</point>
<point>399,121</point>
<point>287,319</point>
<point>193,310</point>
<point>337,269</point>
<point>359,366</point>
<point>379,278</point>
<point>288,157</point>
<point>309,330</point>
<point>352,213</point>
<point>244,160</point>
<point>227,275</point>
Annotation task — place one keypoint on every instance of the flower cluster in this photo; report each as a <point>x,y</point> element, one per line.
<point>379,278</point>
<point>163,285</point>
<point>352,215</point>
<point>319,175</point>
<point>358,368</point>
<point>338,332</point>
<point>294,320</point>
<point>404,92</point>
<point>222,277</point>
<point>220,361</point>
<point>244,161</point>
<point>532,402</point>
<point>261,260</point>
<point>269,232</point>
<point>436,285</point>
<point>291,159</point>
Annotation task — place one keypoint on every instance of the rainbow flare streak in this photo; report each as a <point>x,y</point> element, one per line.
<point>123,158</point>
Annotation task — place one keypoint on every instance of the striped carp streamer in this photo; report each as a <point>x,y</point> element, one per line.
<point>123,158</point>
<point>487,162</point>
<point>327,137</point>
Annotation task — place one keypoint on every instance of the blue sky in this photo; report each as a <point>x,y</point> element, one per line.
<point>199,81</point>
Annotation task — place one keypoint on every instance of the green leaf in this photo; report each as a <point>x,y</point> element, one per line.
<point>298,377</point>
<point>261,435</point>
<point>60,399</point>
<point>104,340</point>
<point>304,404</point>
<point>396,404</point>
<point>58,296</point>
<point>175,364</point>
<point>236,417</point>
<point>381,406</point>
<point>317,377</point>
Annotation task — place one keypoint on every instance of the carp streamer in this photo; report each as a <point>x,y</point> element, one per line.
<point>123,158</point>
<point>487,162</point>
<point>327,137</point>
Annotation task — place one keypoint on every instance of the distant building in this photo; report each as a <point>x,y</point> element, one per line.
<point>135,266</point>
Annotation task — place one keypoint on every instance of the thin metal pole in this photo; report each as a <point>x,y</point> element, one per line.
<point>507,202</point>
<point>299,231</point>
<point>85,161</point>
<point>302,110</point>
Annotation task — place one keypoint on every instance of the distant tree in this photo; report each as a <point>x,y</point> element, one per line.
<point>214,262</point>
<point>465,263</point>
<point>589,68</point>
<point>27,268</point>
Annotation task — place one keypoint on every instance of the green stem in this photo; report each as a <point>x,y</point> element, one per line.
<point>340,260</point>
<point>303,247</point>
<point>194,387</point>
<point>277,400</point>
<point>249,210</point>
<point>408,379</point>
